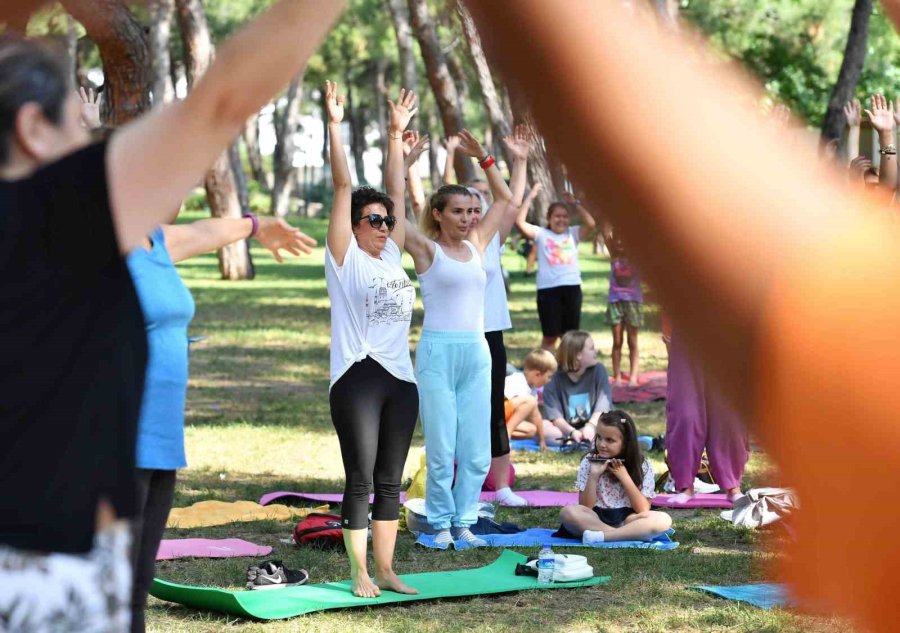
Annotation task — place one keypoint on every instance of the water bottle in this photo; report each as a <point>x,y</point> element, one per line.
<point>546,564</point>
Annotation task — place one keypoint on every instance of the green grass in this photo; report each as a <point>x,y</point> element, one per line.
<point>258,421</point>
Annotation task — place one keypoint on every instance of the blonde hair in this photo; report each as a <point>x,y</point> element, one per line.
<point>569,348</point>
<point>439,199</point>
<point>541,360</point>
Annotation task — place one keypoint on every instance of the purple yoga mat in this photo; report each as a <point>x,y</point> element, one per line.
<point>209,548</point>
<point>536,498</point>
<point>700,500</point>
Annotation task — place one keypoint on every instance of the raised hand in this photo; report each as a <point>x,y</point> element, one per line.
<point>859,166</point>
<point>520,142</point>
<point>334,103</point>
<point>413,147</point>
<point>882,114</point>
<point>451,143</point>
<point>853,113</point>
<point>470,145</point>
<point>535,190</point>
<point>90,108</point>
<point>402,112</point>
<point>276,234</point>
<point>569,198</point>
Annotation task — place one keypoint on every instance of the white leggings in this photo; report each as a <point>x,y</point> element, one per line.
<point>87,593</point>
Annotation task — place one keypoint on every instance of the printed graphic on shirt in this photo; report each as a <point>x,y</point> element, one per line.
<point>579,409</point>
<point>622,272</point>
<point>560,250</point>
<point>390,301</point>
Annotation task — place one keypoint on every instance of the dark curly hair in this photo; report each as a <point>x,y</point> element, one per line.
<point>365,196</point>
<point>30,72</point>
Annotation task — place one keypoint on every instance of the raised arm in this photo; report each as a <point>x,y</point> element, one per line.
<point>881,116</point>
<point>400,115</point>
<point>413,147</point>
<point>519,146</point>
<point>492,217</point>
<point>340,229</point>
<point>187,240</point>
<point>451,144</point>
<point>588,224</point>
<point>526,228</point>
<point>853,117</point>
<point>149,169</point>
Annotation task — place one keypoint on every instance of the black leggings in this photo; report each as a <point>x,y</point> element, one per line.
<point>155,491</point>
<point>499,436</point>
<point>374,415</point>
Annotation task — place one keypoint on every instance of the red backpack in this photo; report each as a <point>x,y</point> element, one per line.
<point>319,529</point>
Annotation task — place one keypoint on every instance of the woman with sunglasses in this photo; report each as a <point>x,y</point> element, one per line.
<point>373,395</point>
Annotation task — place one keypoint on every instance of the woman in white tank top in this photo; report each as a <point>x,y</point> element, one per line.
<point>453,365</point>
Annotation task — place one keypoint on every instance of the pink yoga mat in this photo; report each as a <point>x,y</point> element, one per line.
<point>700,500</point>
<point>651,386</point>
<point>536,498</point>
<point>209,548</point>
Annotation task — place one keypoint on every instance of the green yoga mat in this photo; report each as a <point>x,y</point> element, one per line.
<point>274,604</point>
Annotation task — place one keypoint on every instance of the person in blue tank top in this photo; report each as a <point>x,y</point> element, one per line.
<point>168,308</point>
<point>453,363</point>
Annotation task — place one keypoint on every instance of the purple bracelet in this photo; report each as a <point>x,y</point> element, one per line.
<point>255,221</point>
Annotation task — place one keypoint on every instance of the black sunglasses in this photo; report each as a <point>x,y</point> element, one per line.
<point>375,221</point>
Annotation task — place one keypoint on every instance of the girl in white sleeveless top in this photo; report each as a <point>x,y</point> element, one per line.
<point>453,364</point>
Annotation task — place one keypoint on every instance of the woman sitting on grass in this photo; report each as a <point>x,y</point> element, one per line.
<point>615,484</point>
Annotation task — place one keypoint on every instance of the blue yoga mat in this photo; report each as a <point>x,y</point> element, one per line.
<point>535,537</point>
<point>531,445</point>
<point>763,595</point>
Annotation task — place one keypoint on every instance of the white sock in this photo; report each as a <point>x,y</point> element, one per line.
<point>593,537</point>
<point>507,497</point>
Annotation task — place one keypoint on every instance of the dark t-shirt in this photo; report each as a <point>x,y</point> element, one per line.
<point>72,357</point>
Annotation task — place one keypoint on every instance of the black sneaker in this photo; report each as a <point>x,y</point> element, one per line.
<point>271,574</point>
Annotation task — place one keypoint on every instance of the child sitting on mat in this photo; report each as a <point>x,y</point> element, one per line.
<point>523,416</point>
<point>578,392</point>
<point>615,484</point>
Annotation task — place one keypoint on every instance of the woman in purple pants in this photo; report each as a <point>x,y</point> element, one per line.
<point>697,418</point>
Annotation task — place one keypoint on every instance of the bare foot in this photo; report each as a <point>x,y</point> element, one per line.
<point>633,384</point>
<point>363,587</point>
<point>618,382</point>
<point>682,497</point>
<point>391,582</point>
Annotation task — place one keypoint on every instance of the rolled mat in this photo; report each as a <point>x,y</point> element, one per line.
<point>535,537</point>
<point>209,548</point>
<point>763,595</point>
<point>209,513</point>
<point>700,500</point>
<point>498,577</point>
<point>535,498</point>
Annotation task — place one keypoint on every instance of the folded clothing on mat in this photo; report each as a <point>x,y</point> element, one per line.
<point>209,513</point>
<point>209,548</point>
<point>535,537</point>
<point>498,577</point>
<point>699,500</point>
<point>762,595</point>
<point>535,498</point>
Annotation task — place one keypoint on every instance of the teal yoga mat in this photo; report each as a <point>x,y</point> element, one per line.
<point>274,604</point>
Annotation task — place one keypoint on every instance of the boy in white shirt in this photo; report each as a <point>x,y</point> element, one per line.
<point>523,416</point>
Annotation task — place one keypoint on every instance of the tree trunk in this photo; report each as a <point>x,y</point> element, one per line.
<point>381,94</point>
<point>538,169</point>
<point>240,176</point>
<point>356,120</point>
<point>124,53</point>
<point>286,122</point>
<point>851,68</point>
<point>254,157</point>
<point>459,75</point>
<point>409,75</point>
<point>442,85</point>
<point>434,169</point>
<point>161,14</point>
<point>221,189</point>
<point>500,125</point>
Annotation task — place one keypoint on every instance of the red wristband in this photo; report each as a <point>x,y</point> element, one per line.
<point>487,162</point>
<point>255,221</point>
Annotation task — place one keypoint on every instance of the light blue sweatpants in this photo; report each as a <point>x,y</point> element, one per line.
<point>453,370</point>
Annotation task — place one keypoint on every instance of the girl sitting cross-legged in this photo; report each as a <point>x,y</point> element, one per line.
<point>615,484</point>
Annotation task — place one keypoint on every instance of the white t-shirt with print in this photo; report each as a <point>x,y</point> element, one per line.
<point>557,258</point>
<point>371,307</point>
<point>610,493</point>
